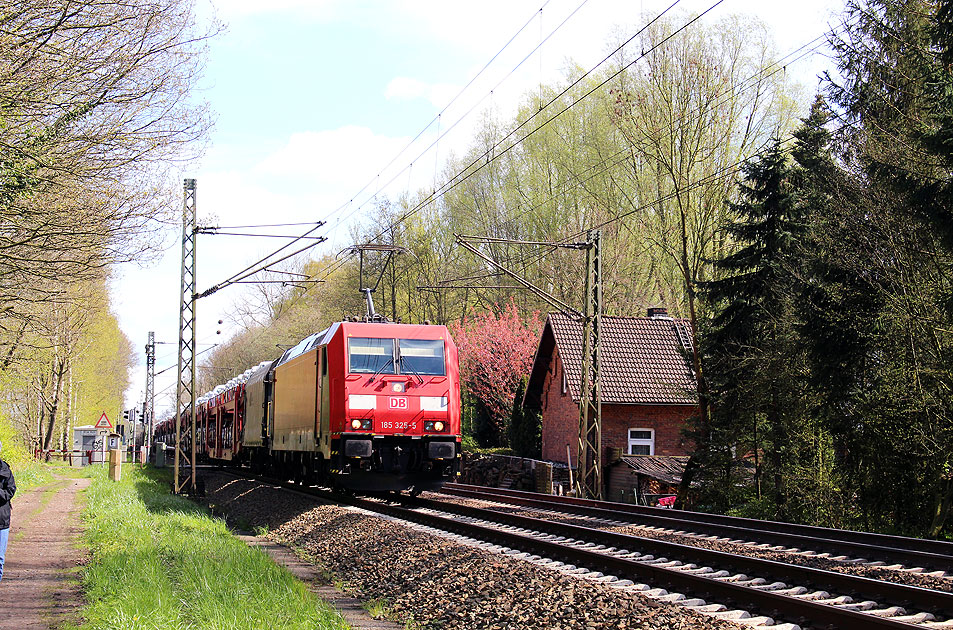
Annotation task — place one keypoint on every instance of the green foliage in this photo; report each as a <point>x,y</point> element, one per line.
<point>14,451</point>
<point>526,429</point>
<point>160,561</point>
<point>753,354</point>
<point>28,472</point>
<point>67,368</point>
<point>841,366</point>
<point>469,443</point>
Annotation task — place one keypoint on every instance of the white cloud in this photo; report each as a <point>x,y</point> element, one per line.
<point>408,89</point>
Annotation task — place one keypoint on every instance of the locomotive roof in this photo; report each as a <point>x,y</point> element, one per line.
<point>385,329</point>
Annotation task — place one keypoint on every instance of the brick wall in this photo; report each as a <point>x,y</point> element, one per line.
<point>667,421</point>
<point>560,416</point>
<point>561,421</point>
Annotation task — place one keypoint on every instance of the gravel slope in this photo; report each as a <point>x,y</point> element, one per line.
<point>434,581</point>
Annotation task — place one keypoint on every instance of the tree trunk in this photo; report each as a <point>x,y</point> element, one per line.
<point>51,422</point>
<point>700,454</point>
<point>757,459</point>
<point>7,360</point>
<point>778,441</point>
<point>943,503</point>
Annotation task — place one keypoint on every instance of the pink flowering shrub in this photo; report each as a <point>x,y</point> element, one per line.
<point>496,352</point>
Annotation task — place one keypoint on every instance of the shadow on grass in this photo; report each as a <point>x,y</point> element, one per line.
<point>243,504</point>
<point>154,488</point>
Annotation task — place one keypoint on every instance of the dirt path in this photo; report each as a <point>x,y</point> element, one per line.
<point>38,590</point>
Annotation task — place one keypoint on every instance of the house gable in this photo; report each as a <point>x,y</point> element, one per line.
<point>648,384</point>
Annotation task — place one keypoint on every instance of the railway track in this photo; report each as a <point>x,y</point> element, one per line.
<point>696,577</point>
<point>752,591</point>
<point>928,557</point>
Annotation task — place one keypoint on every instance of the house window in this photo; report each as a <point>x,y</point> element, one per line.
<point>641,441</point>
<point>565,383</point>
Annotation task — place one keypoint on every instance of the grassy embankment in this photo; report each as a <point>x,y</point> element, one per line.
<point>27,472</point>
<point>161,562</point>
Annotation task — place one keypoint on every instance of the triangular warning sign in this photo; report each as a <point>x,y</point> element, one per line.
<point>104,422</point>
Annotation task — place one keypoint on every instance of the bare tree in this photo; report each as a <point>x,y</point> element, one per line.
<point>95,103</point>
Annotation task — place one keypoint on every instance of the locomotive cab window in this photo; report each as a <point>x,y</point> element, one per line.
<point>371,356</point>
<point>421,356</point>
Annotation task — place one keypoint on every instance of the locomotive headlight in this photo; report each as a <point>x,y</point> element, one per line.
<point>355,424</point>
<point>438,426</point>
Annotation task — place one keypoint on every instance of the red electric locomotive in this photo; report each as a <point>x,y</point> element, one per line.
<point>368,406</point>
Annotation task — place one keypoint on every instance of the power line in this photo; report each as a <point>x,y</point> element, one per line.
<point>437,118</point>
<point>779,66</point>
<point>265,262</point>
<point>463,175</point>
<point>467,113</point>
<point>485,160</point>
<point>267,225</point>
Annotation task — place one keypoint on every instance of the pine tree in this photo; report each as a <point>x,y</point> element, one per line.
<point>751,344</point>
<point>882,275</point>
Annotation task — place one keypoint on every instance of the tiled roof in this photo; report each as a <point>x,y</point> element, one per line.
<point>643,360</point>
<point>664,469</point>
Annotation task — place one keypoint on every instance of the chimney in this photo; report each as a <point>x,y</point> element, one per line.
<point>658,312</point>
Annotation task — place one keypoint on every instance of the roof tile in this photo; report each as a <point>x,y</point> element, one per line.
<point>643,361</point>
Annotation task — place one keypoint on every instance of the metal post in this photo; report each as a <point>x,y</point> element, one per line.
<point>185,384</point>
<point>589,458</point>
<point>149,406</point>
<point>132,449</point>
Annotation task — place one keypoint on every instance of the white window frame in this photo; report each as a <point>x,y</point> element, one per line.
<point>565,383</point>
<point>650,442</point>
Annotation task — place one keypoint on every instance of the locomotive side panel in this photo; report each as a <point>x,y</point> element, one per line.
<point>324,404</point>
<point>295,404</point>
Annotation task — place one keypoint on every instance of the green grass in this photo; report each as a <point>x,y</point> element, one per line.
<point>30,474</point>
<point>161,562</point>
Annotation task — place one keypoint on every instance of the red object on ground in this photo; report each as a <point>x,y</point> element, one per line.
<point>666,502</point>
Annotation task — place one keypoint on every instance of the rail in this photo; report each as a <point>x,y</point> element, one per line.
<point>882,547</point>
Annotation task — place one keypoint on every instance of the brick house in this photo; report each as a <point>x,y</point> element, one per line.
<point>648,387</point>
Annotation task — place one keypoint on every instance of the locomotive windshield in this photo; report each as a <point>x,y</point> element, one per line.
<point>421,356</point>
<point>372,356</point>
<point>414,356</point>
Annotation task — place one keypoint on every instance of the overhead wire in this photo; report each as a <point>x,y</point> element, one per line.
<point>472,108</point>
<point>438,116</point>
<point>463,174</point>
<point>239,276</point>
<point>779,66</point>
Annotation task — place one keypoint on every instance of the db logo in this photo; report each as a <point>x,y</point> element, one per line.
<point>398,403</point>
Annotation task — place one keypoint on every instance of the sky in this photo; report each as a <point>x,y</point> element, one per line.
<point>321,105</point>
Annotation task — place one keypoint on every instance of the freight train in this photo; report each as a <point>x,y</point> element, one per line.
<point>362,405</point>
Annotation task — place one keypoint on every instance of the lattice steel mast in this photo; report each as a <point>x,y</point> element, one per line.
<point>185,383</point>
<point>149,403</point>
<point>589,457</point>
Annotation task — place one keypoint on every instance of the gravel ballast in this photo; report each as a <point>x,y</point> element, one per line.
<point>434,581</point>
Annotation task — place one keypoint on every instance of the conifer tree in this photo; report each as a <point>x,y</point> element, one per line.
<point>751,342</point>
<point>883,274</point>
